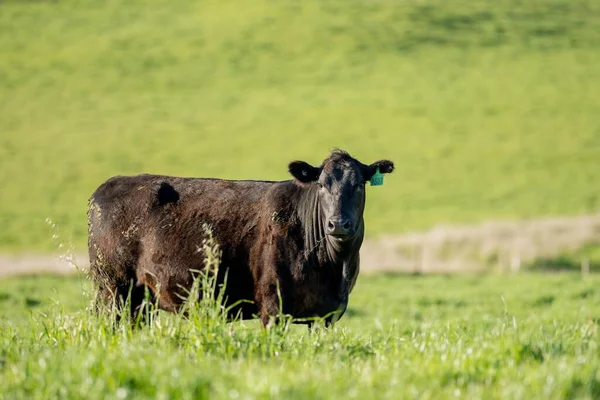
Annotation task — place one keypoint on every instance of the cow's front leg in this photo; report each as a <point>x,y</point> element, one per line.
<point>273,289</point>
<point>270,298</point>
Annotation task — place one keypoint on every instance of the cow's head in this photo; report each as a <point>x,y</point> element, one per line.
<point>340,183</point>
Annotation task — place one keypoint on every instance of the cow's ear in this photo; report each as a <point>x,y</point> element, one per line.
<point>385,167</point>
<point>304,172</point>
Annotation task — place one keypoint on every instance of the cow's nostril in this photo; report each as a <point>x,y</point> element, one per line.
<point>347,225</point>
<point>330,225</point>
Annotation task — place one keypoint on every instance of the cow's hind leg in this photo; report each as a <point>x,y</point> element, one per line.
<point>106,287</point>
<point>124,298</point>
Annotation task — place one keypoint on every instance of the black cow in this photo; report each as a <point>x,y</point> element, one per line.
<point>298,239</point>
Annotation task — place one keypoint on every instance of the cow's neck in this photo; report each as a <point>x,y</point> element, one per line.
<point>316,239</point>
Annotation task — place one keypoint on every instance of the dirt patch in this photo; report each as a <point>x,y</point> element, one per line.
<point>501,244</point>
<point>24,264</point>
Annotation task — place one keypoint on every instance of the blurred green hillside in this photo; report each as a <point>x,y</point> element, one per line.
<point>490,109</point>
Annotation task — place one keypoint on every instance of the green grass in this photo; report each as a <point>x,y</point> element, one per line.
<point>525,336</point>
<point>489,109</point>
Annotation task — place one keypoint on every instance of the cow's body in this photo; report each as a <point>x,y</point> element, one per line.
<point>147,231</point>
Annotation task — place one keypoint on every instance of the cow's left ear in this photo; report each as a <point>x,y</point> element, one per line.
<point>304,172</point>
<point>385,167</point>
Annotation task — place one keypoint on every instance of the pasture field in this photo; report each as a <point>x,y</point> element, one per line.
<point>432,337</point>
<point>490,109</point>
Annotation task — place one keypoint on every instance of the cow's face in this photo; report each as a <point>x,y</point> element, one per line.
<point>340,183</point>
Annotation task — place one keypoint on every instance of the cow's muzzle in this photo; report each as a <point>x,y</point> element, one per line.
<point>339,227</point>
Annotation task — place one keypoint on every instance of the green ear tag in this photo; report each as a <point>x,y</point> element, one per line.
<point>377,178</point>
